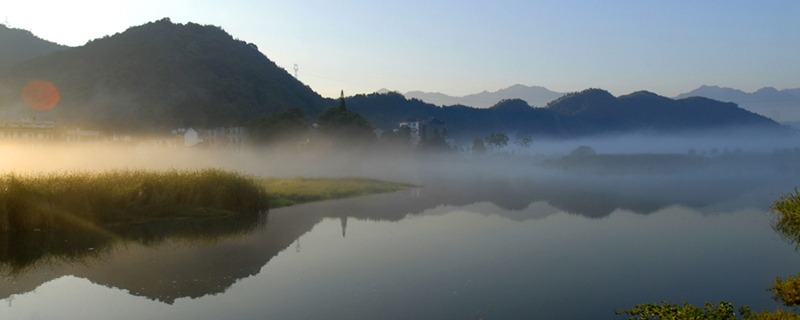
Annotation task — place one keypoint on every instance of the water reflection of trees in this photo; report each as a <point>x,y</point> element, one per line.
<point>168,260</point>
<point>592,197</point>
<point>28,259</point>
<point>22,251</point>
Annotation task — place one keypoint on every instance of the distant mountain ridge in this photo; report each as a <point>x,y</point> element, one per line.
<point>163,75</point>
<point>19,45</point>
<point>589,112</point>
<point>535,96</point>
<point>159,76</point>
<point>780,105</point>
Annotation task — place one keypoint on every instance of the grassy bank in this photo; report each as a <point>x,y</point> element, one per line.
<point>59,200</point>
<point>285,192</point>
<point>89,199</point>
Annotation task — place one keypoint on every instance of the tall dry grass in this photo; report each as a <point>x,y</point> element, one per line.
<point>84,199</point>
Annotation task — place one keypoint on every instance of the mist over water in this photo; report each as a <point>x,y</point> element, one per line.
<point>520,233</point>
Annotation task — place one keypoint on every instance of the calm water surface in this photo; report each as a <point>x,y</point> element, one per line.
<point>491,249</point>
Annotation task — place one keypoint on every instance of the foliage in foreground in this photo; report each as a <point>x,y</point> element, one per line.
<point>722,311</point>
<point>785,290</point>
<point>787,223</point>
<point>286,192</point>
<point>64,200</point>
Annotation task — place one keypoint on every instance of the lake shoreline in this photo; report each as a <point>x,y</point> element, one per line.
<point>89,200</point>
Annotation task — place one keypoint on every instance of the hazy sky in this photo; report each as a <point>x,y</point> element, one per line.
<point>463,47</point>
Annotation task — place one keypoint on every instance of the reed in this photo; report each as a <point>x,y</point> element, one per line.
<point>87,199</point>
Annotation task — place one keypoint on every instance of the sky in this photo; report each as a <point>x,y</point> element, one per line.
<point>465,47</point>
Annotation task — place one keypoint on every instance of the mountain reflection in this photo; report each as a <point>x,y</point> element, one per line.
<point>192,258</point>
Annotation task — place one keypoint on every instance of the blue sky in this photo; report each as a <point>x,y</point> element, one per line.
<point>463,47</point>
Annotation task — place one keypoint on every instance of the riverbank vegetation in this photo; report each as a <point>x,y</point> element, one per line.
<point>85,199</point>
<point>784,290</point>
<point>284,192</point>
<point>69,217</point>
<point>90,199</point>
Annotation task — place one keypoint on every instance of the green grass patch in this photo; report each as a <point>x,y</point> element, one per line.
<point>286,192</point>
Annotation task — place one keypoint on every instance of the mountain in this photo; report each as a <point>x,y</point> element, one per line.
<point>537,96</point>
<point>159,76</point>
<point>590,112</point>
<point>780,105</point>
<point>20,45</point>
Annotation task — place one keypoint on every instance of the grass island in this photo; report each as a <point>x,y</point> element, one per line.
<point>88,199</point>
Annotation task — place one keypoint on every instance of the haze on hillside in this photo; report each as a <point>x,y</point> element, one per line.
<point>780,105</point>
<point>533,95</point>
<point>20,45</point>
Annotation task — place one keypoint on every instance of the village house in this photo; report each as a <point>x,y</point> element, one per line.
<point>27,130</point>
<point>216,138</point>
<point>76,135</point>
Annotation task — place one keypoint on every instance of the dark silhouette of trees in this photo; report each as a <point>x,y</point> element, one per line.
<point>344,127</point>
<point>276,127</point>
<point>437,143</point>
<point>525,142</point>
<point>497,140</point>
<point>399,137</point>
<point>342,106</point>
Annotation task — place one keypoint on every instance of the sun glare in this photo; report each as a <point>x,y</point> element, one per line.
<point>40,95</point>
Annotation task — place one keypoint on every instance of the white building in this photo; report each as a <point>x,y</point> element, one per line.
<point>190,136</point>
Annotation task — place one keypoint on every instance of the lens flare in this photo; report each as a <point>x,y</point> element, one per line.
<point>40,95</point>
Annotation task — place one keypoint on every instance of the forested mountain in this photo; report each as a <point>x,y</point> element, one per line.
<point>592,111</point>
<point>162,75</point>
<point>780,105</point>
<point>535,96</point>
<point>158,76</point>
<point>19,45</point>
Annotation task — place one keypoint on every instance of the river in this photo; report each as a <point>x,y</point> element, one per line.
<point>558,247</point>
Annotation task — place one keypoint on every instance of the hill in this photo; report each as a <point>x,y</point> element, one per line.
<point>20,45</point>
<point>158,76</point>
<point>537,96</point>
<point>780,105</point>
<point>590,112</point>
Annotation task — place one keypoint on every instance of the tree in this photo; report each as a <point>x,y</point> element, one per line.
<point>525,142</point>
<point>342,106</point>
<point>497,140</point>
<point>274,127</point>
<point>399,136</point>
<point>437,143</point>
<point>345,127</point>
<point>478,147</point>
